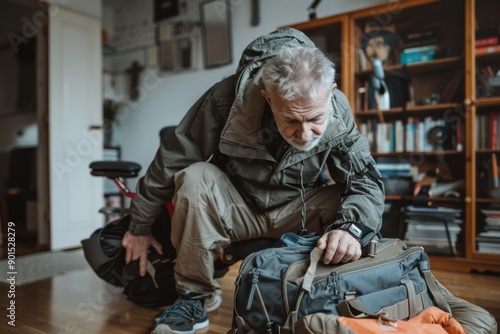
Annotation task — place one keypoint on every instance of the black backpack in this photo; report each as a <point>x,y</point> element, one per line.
<point>106,256</point>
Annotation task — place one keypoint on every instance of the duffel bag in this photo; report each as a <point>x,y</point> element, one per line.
<point>277,286</point>
<point>104,252</point>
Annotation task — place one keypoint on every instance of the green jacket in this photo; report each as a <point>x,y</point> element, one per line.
<point>226,126</point>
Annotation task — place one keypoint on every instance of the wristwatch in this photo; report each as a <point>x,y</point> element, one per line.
<point>352,229</point>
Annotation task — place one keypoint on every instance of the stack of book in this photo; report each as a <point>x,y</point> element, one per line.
<point>396,176</point>
<point>488,241</point>
<point>487,134</point>
<point>486,45</point>
<point>434,228</point>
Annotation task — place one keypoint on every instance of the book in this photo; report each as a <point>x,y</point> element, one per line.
<point>400,136</point>
<point>493,119</point>
<point>487,50</point>
<point>410,135</point>
<point>486,41</point>
<point>459,137</point>
<point>429,34</point>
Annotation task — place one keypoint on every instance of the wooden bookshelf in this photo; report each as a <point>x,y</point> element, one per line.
<point>453,75</point>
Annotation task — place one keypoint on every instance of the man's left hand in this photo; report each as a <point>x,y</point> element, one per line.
<point>339,247</point>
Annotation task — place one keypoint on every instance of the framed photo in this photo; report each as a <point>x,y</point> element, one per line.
<point>178,55</point>
<point>216,33</point>
<point>165,9</point>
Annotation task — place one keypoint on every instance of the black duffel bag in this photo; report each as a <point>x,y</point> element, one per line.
<point>104,252</point>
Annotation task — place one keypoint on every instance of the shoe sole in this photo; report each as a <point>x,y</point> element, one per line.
<point>164,329</point>
<point>214,303</point>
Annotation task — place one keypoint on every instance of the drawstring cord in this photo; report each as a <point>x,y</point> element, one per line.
<point>303,199</point>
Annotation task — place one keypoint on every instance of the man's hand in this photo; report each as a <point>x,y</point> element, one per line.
<point>339,246</point>
<point>137,246</point>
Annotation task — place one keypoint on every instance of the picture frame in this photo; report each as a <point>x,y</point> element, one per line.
<point>165,9</point>
<point>179,54</point>
<point>215,17</point>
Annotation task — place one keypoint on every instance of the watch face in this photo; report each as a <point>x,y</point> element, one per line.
<point>354,230</point>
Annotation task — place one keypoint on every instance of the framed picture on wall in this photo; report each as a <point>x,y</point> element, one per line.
<point>178,54</point>
<point>165,9</point>
<point>216,33</point>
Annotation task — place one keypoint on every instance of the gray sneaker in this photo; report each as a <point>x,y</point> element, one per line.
<point>183,317</point>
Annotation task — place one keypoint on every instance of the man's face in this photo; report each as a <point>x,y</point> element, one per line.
<point>301,123</point>
<point>378,49</point>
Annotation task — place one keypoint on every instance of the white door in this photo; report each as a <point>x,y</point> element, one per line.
<point>75,108</point>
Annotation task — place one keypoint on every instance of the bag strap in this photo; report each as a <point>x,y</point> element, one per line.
<point>433,288</point>
<point>399,310</point>
<point>412,298</point>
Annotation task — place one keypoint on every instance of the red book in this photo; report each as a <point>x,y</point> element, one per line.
<point>493,131</point>
<point>488,41</point>
<point>459,137</point>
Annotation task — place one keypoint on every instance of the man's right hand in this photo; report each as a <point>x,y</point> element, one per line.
<point>136,247</point>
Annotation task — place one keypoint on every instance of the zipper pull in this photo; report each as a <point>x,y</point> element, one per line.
<point>255,280</point>
<point>336,283</point>
<point>237,280</point>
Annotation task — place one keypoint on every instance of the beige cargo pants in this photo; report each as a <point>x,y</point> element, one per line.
<point>209,214</point>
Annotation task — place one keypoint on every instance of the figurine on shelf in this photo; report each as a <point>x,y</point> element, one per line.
<point>381,47</point>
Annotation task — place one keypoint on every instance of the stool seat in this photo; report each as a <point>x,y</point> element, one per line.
<point>115,169</point>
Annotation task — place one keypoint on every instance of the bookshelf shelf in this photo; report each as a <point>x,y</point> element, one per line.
<point>370,113</point>
<point>394,198</point>
<point>437,110</point>
<point>439,107</point>
<point>430,153</point>
<point>494,53</point>
<point>487,102</point>
<point>425,200</point>
<point>417,68</point>
<point>487,151</point>
<point>487,256</point>
<point>488,200</point>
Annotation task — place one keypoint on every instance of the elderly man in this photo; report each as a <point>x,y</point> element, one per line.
<point>243,164</point>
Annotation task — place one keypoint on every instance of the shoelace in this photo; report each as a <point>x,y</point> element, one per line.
<point>183,309</point>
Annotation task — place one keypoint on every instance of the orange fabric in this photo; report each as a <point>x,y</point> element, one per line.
<point>431,321</point>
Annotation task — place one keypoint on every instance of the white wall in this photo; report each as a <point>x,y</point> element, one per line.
<point>90,7</point>
<point>169,97</point>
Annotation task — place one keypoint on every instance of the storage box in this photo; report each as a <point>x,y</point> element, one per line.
<point>418,54</point>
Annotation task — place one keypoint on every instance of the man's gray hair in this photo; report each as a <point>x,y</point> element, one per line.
<point>299,72</point>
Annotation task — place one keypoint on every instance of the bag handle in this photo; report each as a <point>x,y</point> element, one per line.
<point>369,250</point>
<point>315,256</point>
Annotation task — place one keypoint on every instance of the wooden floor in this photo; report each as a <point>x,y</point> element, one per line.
<point>79,302</point>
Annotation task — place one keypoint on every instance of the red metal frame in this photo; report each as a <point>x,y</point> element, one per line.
<point>130,194</point>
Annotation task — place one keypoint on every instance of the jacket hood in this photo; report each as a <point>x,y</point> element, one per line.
<point>242,133</point>
<point>268,45</point>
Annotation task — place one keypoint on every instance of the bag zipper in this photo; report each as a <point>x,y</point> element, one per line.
<point>354,267</point>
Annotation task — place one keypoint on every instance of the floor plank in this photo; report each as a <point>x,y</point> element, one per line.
<point>79,302</point>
